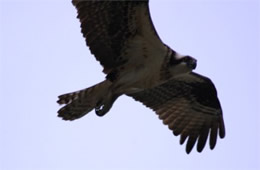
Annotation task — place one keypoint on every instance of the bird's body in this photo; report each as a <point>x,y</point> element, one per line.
<point>137,63</point>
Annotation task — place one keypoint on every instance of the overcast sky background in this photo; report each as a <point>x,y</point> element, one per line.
<point>43,55</point>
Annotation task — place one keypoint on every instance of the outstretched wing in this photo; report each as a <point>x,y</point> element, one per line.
<point>189,106</point>
<point>111,29</point>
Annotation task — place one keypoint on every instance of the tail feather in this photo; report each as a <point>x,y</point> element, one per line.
<point>79,103</point>
<point>69,97</point>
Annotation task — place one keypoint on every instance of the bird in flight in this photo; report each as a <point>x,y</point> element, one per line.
<point>121,36</point>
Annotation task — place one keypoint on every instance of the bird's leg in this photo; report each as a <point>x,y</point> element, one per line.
<point>99,109</point>
<point>103,106</point>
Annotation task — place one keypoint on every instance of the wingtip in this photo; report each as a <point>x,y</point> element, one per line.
<point>222,131</point>
<point>200,150</point>
<point>182,139</point>
<point>190,143</point>
<point>188,150</point>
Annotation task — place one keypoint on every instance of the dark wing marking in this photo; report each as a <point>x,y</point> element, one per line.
<point>189,106</point>
<point>109,26</point>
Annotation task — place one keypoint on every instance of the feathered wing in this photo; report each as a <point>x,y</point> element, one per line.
<point>111,27</point>
<point>119,33</point>
<point>189,106</point>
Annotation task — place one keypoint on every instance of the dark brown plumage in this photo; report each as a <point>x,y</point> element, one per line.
<point>110,25</point>
<point>121,36</point>
<point>189,106</point>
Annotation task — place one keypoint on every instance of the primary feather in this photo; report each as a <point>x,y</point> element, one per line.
<point>122,37</point>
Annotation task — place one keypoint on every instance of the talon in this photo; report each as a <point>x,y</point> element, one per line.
<point>99,110</point>
<point>103,106</point>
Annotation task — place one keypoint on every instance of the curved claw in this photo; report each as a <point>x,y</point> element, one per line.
<point>99,107</point>
<point>103,107</point>
<point>101,110</point>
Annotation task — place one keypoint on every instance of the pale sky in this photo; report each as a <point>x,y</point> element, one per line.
<point>43,55</point>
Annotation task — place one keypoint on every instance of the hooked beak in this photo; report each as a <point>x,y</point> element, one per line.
<point>190,61</point>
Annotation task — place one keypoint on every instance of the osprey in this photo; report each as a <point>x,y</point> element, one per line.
<point>122,37</point>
